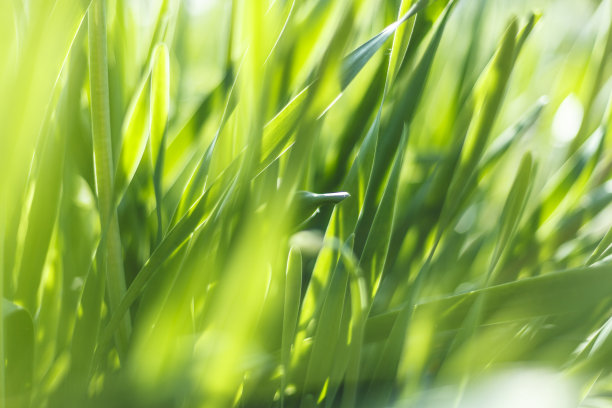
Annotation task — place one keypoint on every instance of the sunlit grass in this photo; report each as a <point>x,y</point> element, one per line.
<point>305,203</point>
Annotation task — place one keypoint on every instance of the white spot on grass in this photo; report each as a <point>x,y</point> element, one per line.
<point>567,120</point>
<point>198,7</point>
<point>521,386</point>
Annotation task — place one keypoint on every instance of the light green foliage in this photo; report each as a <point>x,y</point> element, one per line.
<point>290,203</point>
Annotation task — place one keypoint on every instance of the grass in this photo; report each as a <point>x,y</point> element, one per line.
<point>305,203</point>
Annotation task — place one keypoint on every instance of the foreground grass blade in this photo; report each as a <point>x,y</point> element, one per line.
<point>160,102</point>
<point>19,351</point>
<point>293,289</point>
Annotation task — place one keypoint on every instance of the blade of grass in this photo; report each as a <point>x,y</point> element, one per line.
<point>18,340</point>
<point>110,258</point>
<point>160,102</point>
<point>293,292</point>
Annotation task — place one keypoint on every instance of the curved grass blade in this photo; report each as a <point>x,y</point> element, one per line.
<point>307,203</point>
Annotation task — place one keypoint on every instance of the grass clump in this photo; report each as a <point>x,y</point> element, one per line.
<point>284,203</point>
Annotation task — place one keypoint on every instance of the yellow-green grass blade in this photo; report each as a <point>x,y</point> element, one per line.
<point>135,135</point>
<point>29,88</point>
<point>326,334</point>
<point>18,338</point>
<point>401,40</point>
<point>293,294</point>
<point>197,215</point>
<point>160,102</point>
<point>513,209</point>
<point>41,221</point>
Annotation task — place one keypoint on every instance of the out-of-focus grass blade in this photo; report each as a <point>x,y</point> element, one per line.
<point>513,209</point>
<point>190,222</point>
<point>573,175</point>
<point>523,34</point>
<point>160,98</point>
<point>377,244</point>
<point>160,102</point>
<point>360,307</point>
<point>18,354</point>
<point>601,59</point>
<point>604,244</point>
<point>41,220</point>
<point>136,130</point>
<point>327,331</point>
<point>161,27</point>
<point>572,291</point>
<point>501,144</point>
<point>196,184</point>
<point>293,293</point>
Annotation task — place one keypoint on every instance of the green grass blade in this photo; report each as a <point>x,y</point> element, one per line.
<point>293,289</point>
<point>572,291</point>
<point>604,244</point>
<point>19,354</point>
<point>41,221</point>
<point>110,257</point>
<point>402,114</point>
<point>494,84</point>
<point>160,102</point>
<point>136,130</point>
<point>513,209</point>
<point>374,255</point>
